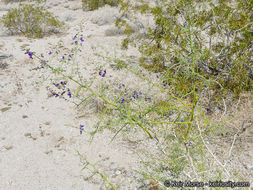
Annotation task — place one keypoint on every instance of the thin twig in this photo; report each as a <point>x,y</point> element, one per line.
<point>213,154</point>
<point>230,151</point>
<point>225,107</point>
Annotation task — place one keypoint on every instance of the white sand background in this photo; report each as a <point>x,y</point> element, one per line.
<point>38,138</point>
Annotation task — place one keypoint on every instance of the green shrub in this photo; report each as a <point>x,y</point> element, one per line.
<point>95,4</point>
<point>215,38</point>
<point>14,1</point>
<point>31,20</point>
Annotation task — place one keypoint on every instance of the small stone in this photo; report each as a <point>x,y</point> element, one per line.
<point>118,172</point>
<point>8,147</point>
<point>47,123</point>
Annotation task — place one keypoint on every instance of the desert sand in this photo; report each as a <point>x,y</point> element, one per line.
<point>39,134</point>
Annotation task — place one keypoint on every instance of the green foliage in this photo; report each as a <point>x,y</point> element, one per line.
<point>14,1</point>
<point>95,4</point>
<point>120,64</point>
<point>31,20</point>
<point>216,38</point>
<point>176,160</point>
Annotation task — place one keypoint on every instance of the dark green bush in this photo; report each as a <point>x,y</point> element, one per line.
<point>95,4</point>
<point>202,41</point>
<point>31,20</point>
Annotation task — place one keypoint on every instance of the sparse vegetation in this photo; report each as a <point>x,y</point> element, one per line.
<point>31,20</point>
<point>19,1</point>
<point>220,35</point>
<point>193,56</point>
<point>90,5</point>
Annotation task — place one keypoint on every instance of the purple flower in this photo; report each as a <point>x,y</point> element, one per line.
<point>50,53</point>
<point>63,92</point>
<point>122,101</point>
<point>74,38</point>
<point>30,54</point>
<point>43,63</point>
<point>140,116</point>
<point>56,84</point>
<point>147,99</point>
<point>123,85</point>
<point>76,42</point>
<point>63,83</point>
<point>181,121</point>
<point>104,73</point>
<point>81,129</point>
<point>62,57</point>
<point>42,55</point>
<point>82,39</point>
<point>69,94</point>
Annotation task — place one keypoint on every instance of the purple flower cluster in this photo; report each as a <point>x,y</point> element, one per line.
<point>81,129</point>
<point>62,86</point>
<point>31,54</point>
<point>102,75</point>
<point>76,41</point>
<point>136,95</point>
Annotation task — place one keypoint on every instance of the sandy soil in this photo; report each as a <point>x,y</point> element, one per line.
<point>39,136</point>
